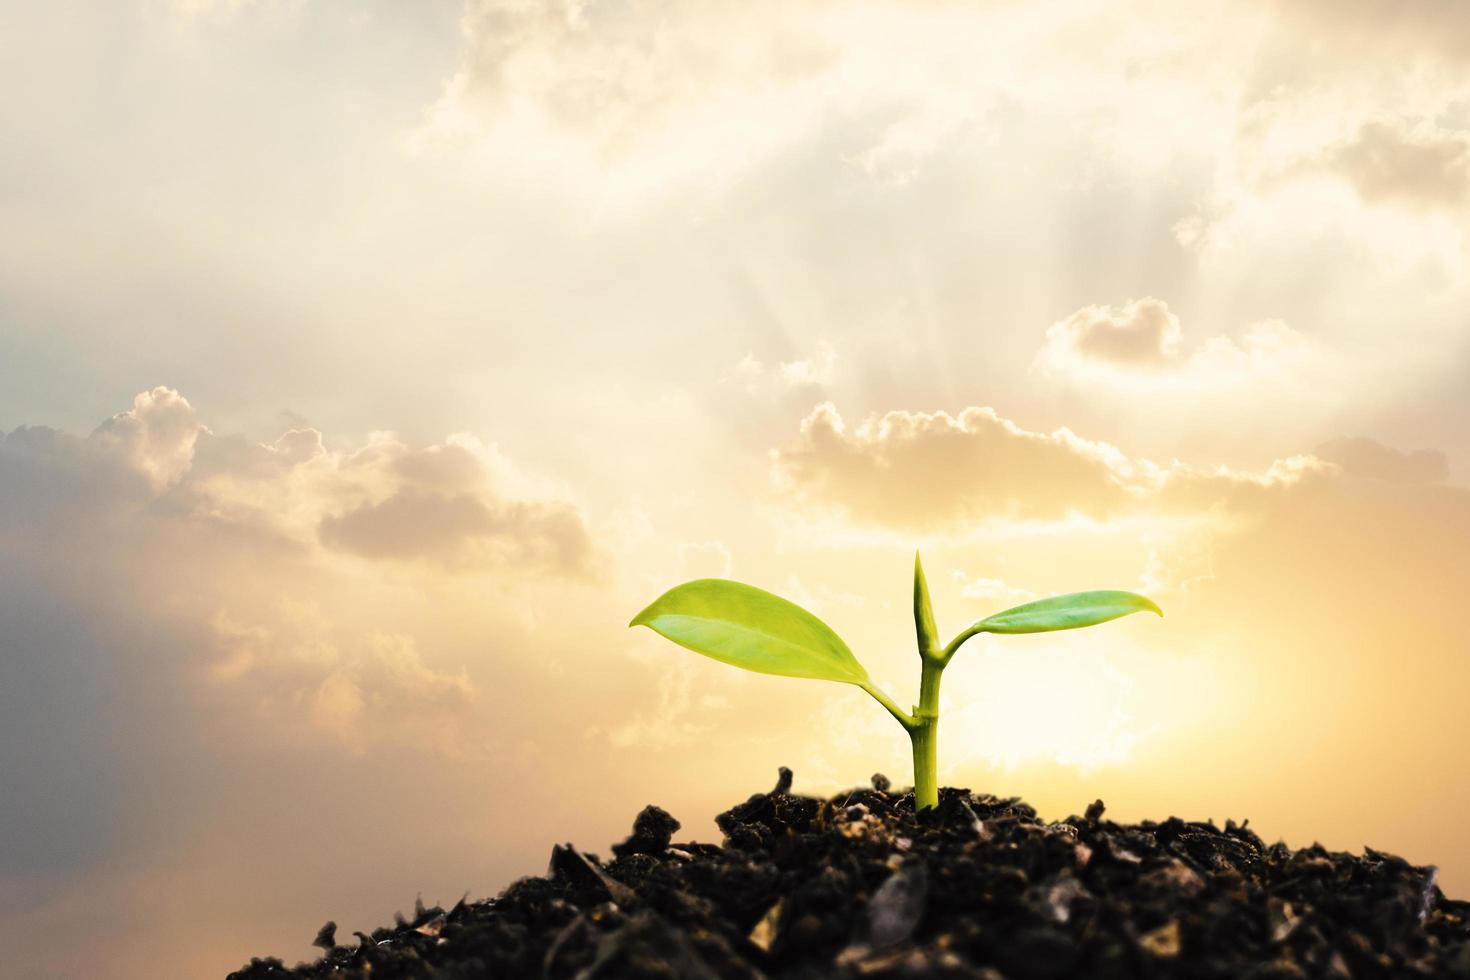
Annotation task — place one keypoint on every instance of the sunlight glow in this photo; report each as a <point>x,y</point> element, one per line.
<point>1063,705</point>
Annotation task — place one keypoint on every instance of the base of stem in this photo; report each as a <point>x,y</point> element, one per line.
<point>926,755</point>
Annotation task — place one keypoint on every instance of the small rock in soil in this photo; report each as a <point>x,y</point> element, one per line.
<point>652,830</point>
<point>861,886</point>
<point>896,907</point>
<point>326,936</point>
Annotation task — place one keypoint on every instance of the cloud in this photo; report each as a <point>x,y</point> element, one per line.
<point>1345,154</point>
<point>227,10</point>
<point>680,717</point>
<point>159,526</point>
<point>1142,340</point>
<point>1326,591</point>
<point>462,530</point>
<point>1402,29</point>
<point>302,670</point>
<point>990,589</point>
<point>921,470</point>
<point>156,436</point>
<point>801,374</point>
<point>1422,166</point>
<point>445,504</point>
<point>179,596</point>
<point>913,467</point>
<point>1142,333</point>
<point>664,89</point>
<point>195,684</point>
<point>705,559</point>
<point>1360,456</point>
<point>653,94</point>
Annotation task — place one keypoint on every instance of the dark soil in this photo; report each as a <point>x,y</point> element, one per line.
<point>861,886</point>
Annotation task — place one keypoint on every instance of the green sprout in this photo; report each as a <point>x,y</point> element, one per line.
<point>749,627</point>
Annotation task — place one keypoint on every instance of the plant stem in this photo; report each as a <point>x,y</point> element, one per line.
<point>904,718</point>
<point>925,735</point>
<point>958,641</point>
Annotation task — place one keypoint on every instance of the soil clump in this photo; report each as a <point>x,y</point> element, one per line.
<point>860,885</point>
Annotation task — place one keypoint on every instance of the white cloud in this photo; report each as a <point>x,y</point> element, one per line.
<point>654,95</point>
<point>990,589</point>
<point>156,436</point>
<point>1366,171</point>
<point>648,91</point>
<point>1177,563</point>
<point>705,559</point>
<point>1142,341</point>
<point>817,371</point>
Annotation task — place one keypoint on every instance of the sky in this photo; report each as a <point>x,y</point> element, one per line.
<point>365,366</point>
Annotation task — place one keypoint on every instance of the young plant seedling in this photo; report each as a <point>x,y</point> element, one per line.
<point>751,628</point>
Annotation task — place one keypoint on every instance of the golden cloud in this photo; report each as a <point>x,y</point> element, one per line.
<point>445,504</point>
<point>1360,456</point>
<point>929,471</point>
<point>462,530</point>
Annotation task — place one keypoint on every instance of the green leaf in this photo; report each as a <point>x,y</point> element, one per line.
<point>751,628</point>
<point>924,612</point>
<point>1066,612</point>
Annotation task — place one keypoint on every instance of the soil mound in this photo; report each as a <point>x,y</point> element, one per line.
<point>861,886</point>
